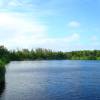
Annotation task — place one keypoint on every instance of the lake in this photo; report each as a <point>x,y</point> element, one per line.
<point>52,80</point>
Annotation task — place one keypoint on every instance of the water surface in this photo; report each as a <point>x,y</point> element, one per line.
<point>52,80</point>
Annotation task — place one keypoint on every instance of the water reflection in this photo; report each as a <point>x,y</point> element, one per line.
<point>2,80</point>
<point>2,87</point>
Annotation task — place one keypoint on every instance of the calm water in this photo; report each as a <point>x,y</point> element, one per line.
<point>52,80</point>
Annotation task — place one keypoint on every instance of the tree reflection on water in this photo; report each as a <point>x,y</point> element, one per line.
<point>2,80</point>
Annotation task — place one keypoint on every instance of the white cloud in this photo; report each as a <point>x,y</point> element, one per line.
<point>18,31</point>
<point>95,41</point>
<point>18,23</point>
<point>20,3</point>
<point>94,38</point>
<point>63,43</point>
<point>14,3</point>
<point>74,24</point>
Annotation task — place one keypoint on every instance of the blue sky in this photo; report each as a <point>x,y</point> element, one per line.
<point>54,24</point>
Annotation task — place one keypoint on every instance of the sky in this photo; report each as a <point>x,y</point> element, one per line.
<point>65,25</point>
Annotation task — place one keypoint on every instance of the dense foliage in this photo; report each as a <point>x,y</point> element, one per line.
<point>46,54</point>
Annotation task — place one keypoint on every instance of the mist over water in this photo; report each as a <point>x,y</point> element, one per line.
<point>51,80</point>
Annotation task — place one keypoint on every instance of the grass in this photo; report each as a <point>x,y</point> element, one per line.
<point>2,63</point>
<point>2,70</point>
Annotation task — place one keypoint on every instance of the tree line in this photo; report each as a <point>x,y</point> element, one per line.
<point>46,54</point>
